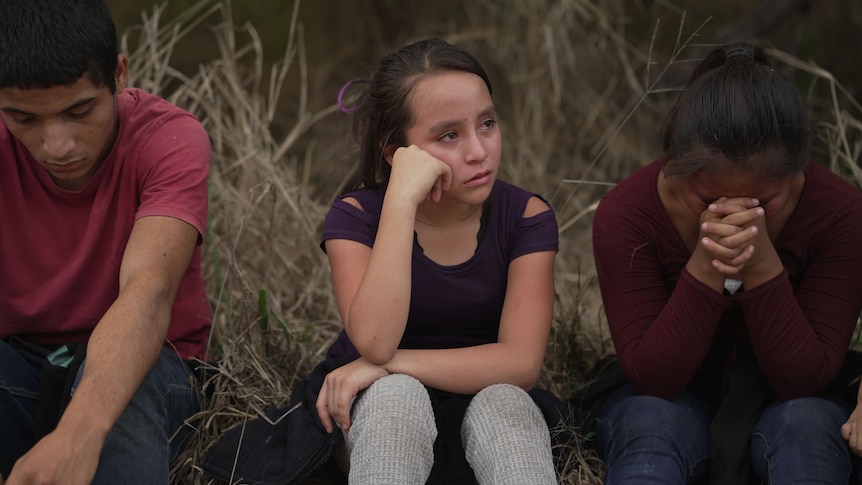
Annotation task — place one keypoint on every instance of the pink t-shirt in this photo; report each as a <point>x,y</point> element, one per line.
<point>60,251</point>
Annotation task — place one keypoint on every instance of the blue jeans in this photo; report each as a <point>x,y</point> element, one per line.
<point>151,430</point>
<point>645,440</point>
<point>799,441</point>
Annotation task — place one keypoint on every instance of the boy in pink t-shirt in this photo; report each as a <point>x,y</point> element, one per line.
<point>103,204</point>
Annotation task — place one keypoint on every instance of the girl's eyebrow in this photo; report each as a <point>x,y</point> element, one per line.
<point>446,124</point>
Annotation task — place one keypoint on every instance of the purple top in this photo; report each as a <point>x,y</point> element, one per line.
<point>474,290</point>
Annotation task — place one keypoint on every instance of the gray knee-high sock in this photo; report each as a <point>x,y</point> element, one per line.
<point>391,440</point>
<point>506,439</point>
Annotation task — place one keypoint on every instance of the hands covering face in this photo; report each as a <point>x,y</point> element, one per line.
<point>731,231</point>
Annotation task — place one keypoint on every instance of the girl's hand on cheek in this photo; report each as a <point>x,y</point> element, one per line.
<point>418,176</point>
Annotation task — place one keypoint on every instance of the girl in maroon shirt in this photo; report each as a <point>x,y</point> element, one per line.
<point>732,284</point>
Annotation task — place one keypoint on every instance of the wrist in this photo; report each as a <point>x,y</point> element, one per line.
<point>766,270</point>
<point>702,270</point>
<point>753,279</point>
<point>85,422</point>
<point>402,204</point>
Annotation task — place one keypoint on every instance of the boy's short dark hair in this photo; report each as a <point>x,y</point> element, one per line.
<point>48,43</point>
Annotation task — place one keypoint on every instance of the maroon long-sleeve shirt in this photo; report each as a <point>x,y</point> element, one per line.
<point>667,327</point>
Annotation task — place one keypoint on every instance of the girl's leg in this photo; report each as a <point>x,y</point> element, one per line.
<point>506,439</point>
<point>649,440</point>
<point>799,441</point>
<point>391,439</point>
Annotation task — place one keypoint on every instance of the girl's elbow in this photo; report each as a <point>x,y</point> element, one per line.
<point>375,353</point>
<point>378,357</point>
<point>529,377</point>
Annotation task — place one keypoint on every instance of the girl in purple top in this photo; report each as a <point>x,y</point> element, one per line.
<point>732,281</point>
<point>443,276</point>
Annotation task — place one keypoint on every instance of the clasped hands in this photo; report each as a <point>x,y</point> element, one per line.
<point>732,234</point>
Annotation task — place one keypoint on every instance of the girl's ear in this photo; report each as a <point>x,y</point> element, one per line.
<point>389,152</point>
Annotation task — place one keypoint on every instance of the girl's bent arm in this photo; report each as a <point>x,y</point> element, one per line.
<point>372,286</point>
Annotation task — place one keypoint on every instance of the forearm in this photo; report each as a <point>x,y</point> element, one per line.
<point>378,312</point>
<point>121,351</point>
<point>470,369</point>
<point>797,359</point>
<point>700,267</point>
<point>127,340</point>
<point>768,267</point>
<point>660,352</point>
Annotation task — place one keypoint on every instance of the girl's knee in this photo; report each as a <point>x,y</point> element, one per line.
<point>652,411</point>
<point>504,407</point>
<point>501,393</point>
<point>505,437</point>
<point>807,411</point>
<point>396,392</point>
<point>654,420</point>
<point>398,399</point>
<point>502,400</point>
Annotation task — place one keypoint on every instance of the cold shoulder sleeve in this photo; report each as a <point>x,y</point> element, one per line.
<point>535,234</point>
<point>346,221</point>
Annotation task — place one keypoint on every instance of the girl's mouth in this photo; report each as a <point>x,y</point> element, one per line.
<point>481,178</point>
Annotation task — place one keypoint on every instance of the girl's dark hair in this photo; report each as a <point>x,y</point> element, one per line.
<point>48,43</point>
<point>384,111</point>
<point>736,107</point>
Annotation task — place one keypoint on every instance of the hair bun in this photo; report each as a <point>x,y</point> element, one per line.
<point>739,51</point>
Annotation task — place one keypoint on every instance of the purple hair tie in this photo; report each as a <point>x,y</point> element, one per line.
<point>341,92</point>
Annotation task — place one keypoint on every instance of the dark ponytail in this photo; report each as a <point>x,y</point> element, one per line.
<point>737,107</point>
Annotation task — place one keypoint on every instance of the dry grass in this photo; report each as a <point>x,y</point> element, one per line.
<point>580,104</point>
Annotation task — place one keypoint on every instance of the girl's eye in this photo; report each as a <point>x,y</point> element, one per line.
<point>448,136</point>
<point>23,121</point>
<point>489,123</point>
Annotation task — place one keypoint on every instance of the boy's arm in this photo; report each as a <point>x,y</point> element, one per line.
<point>121,351</point>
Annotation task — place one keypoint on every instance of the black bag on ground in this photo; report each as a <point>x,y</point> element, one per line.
<point>286,446</point>
<point>607,376</point>
<point>57,376</point>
